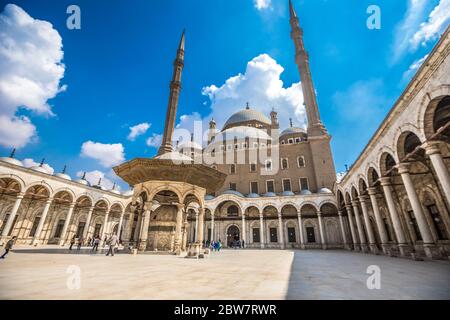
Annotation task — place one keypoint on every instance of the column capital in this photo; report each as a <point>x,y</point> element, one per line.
<point>279,215</point>
<point>299,214</point>
<point>372,191</point>
<point>20,195</point>
<point>403,167</point>
<point>355,203</point>
<point>339,212</point>
<point>363,198</point>
<point>179,206</point>
<point>319,214</point>
<point>72,204</point>
<point>49,200</point>
<point>385,181</point>
<point>432,147</point>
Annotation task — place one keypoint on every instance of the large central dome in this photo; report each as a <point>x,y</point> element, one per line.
<point>246,115</point>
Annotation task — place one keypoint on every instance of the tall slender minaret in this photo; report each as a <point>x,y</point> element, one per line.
<point>175,88</point>
<point>315,125</point>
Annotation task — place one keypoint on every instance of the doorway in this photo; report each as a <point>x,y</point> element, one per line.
<point>233,233</point>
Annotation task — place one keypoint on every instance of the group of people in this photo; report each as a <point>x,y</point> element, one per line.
<point>215,245</point>
<point>237,244</point>
<point>94,242</point>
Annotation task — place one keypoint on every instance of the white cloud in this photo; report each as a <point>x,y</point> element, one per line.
<point>30,71</point>
<point>413,68</point>
<point>262,87</point>
<point>93,177</point>
<point>262,4</point>
<point>31,163</point>
<point>107,154</point>
<point>155,140</point>
<point>437,21</point>
<point>16,131</point>
<point>138,130</point>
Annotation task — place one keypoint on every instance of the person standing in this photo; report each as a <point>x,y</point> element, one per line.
<point>96,243</point>
<point>112,242</point>
<point>8,246</point>
<point>243,243</point>
<point>80,242</point>
<point>72,242</point>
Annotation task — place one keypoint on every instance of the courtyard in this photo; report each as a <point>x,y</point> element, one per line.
<point>47,273</point>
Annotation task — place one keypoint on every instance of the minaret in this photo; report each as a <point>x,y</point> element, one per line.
<point>175,88</point>
<point>315,126</point>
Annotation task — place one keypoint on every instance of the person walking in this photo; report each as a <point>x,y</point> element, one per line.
<point>72,242</point>
<point>8,246</point>
<point>96,243</point>
<point>243,243</point>
<point>219,245</point>
<point>112,242</point>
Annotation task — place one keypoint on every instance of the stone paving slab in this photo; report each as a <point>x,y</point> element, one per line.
<point>41,273</point>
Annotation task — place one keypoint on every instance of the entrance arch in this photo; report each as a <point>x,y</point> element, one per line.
<point>233,235</point>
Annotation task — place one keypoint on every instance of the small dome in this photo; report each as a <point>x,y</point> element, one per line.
<point>174,156</point>
<point>305,192</point>
<point>63,175</point>
<point>287,193</point>
<point>269,194</point>
<point>128,193</point>
<point>253,195</point>
<point>12,161</point>
<point>246,115</point>
<point>236,193</point>
<point>324,190</point>
<point>83,181</point>
<point>209,197</point>
<point>40,169</point>
<point>292,130</point>
<point>99,187</point>
<point>115,191</point>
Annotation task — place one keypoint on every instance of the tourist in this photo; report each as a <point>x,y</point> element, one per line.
<point>8,246</point>
<point>243,244</point>
<point>219,245</point>
<point>112,242</point>
<point>96,242</point>
<point>72,242</point>
<point>80,242</point>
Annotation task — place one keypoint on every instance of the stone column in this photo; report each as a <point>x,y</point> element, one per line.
<point>356,245</point>
<point>281,231</point>
<point>105,222</point>
<point>244,238</point>
<point>372,243</point>
<point>212,227</point>
<point>12,215</point>
<point>402,245</point>
<point>37,235</point>
<point>63,238</point>
<point>300,230</point>
<point>428,242</point>
<point>362,235</point>
<point>196,227</point>
<point>321,230</point>
<point>433,151</point>
<point>119,227</point>
<point>261,233</point>
<point>178,235</point>
<point>344,236</point>
<point>88,221</point>
<point>137,230</point>
<point>201,218</point>
<point>185,235</point>
<point>379,220</point>
<point>144,230</point>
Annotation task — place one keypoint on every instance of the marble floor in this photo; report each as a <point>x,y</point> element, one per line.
<point>51,273</point>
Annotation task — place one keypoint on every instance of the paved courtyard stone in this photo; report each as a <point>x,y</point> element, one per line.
<point>43,273</point>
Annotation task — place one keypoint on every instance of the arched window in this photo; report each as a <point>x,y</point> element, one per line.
<point>232,211</point>
<point>232,169</point>
<point>284,163</point>
<point>301,161</point>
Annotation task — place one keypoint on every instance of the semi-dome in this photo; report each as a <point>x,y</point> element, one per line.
<point>83,180</point>
<point>209,197</point>
<point>40,169</point>
<point>12,161</point>
<point>234,192</point>
<point>115,191</point>
<point>269,194</point>
<point>246,115</point>
<point>253,195</point>
<point>292,130</point>
<point>63,175</point>
<point>324,190</point>
<point>287,193</point>
<point>305,192</point>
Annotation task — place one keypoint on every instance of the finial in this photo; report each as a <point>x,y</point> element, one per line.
<point>84,176</point>
<point>114,186</point>
<point>42,162</point>
<point>192,137</point>
<point>290,122</point>
<point>292,12</point>
<point>178,141</point>
<point>12,153</point>
<point>181,45</point>
<point>346,167</point>
<point>64,169</point>
<point>99,181</point>
<point>247,106</point>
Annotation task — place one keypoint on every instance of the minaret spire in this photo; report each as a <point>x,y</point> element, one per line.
<point>315,126</point>
<point>175,88</point>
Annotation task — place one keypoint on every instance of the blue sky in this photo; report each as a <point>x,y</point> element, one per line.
<point>117,70</point>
